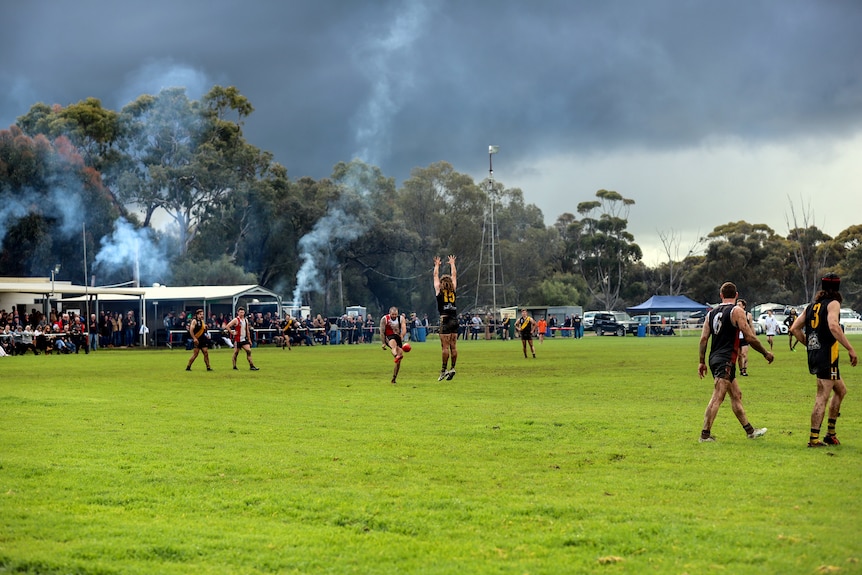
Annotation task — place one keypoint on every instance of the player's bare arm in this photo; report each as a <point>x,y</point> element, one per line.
<point>437,275</point>
<point>833,313</point>
<point>704,340</point>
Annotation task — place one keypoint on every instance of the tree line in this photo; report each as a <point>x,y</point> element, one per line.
<point>207,207</point>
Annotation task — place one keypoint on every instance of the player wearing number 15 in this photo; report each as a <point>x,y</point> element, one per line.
<point>444,290</point>
<point>820,332</point>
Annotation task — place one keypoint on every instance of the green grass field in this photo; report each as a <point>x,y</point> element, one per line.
<point>584,460</point>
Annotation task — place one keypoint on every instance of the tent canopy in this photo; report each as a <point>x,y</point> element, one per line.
<point>662,303</point>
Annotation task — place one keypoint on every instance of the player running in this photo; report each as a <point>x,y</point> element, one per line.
<point>393,330</point>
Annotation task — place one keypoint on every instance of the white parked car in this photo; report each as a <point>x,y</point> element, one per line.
<point>760,323</point>
<point>849,319</point>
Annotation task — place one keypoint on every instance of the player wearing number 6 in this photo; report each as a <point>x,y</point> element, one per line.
<point>819,331</point>
<point>723,325</point>
<point>444,290</point>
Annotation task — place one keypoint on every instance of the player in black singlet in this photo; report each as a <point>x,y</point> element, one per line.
<point>820,332</point>
<point>444,290</point>
<point>198,331</point>
<point>722,325</point>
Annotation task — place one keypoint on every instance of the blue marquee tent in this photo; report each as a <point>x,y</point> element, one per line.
<point>660,303</point>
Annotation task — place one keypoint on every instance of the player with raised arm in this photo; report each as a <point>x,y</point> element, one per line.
<point>444,291</point>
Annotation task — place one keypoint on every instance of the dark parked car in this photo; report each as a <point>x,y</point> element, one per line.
<point>608,323</point>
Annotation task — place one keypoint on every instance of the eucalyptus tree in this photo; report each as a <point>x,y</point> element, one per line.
<point>752,256</point>
<point>184,157</point>
<point>601,247</point>
<point>848,246</point>
<point>53,208</point>
<point>90,127</point>
<point>811,250</point>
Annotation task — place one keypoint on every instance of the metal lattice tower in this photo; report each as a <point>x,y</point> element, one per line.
<point>489,253</point>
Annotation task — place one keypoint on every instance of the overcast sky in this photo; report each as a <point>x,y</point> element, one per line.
<point>703,112</point>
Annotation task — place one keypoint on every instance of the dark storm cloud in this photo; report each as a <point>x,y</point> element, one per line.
<point>446,78</point>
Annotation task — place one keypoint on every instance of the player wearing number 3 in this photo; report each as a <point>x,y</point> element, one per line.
<point>820,332</point>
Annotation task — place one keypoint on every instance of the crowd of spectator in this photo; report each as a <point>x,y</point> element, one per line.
<point>66,332</point>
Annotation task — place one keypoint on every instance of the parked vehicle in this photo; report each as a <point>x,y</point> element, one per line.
<point>849,319</point>
<point>588,318</point>
<point>616,323</point>
<point>760,323</point>
<point>695,319</point>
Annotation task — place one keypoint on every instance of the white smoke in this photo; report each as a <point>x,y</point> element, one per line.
<point>158,75</point>
<point>381,60</point>
<point>66,206</point>
<point>62,202</point>
<point>11,210</point>
<point>128,246</point>
<point>317,247</point>
<point>386,62</point>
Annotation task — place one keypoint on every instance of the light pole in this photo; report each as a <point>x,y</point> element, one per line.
<point>46,305</point>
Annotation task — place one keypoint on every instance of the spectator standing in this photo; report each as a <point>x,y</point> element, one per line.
<point>542,327</point>
<point>771,328</point>
<point>475,326</point>
<point>94,332</point>
<point>129,327</point>
<point>369,329</point>
<point>334,332</point>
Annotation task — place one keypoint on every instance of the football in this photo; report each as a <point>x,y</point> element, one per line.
<point>406,347</point>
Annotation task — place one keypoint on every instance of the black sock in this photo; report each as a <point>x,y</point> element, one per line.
<point>704,434</point>
<point>748,428</point>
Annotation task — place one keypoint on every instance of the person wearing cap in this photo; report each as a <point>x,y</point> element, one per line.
<point>820,332</point>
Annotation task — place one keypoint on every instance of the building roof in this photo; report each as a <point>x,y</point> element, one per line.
<point>66,291</point>
<point>44,286</point>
